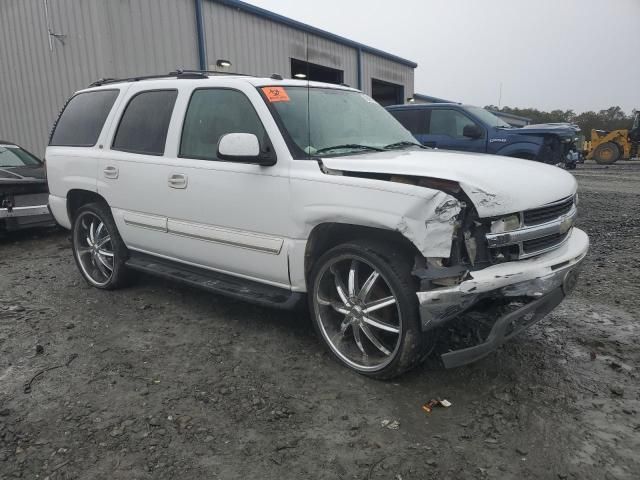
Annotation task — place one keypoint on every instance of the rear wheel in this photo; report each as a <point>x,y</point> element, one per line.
<point>365,308</point>
<point>98,249</point>
<point>607,153</point>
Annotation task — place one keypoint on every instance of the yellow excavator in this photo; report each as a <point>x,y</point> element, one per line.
<point>609,147</point>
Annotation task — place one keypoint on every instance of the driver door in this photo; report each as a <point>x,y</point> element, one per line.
<point>230,216</point>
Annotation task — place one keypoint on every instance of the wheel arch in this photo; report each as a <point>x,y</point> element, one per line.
<point>525,150</point>
<point>76,198</point>
<point>325,236</point>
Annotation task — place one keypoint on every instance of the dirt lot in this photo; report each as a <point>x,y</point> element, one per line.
<point>161,381</point>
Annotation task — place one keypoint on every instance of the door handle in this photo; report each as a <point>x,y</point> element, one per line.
<point>111,172</point>
<point>178,180</point>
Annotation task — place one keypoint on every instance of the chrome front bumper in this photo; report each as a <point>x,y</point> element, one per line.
<point>545,279</point>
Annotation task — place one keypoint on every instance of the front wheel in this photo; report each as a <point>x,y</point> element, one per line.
<point>98,249</point>
<point>365,308</point>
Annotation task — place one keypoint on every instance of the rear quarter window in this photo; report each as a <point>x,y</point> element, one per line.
<point>81,121</point>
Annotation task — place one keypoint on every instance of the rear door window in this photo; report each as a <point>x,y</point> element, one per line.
<point>414,120</point>
<point>145,121</point>
<point>81,121</point>
<point>213,113</point>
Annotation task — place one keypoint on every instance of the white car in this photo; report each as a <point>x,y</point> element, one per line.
<point>276,191</point>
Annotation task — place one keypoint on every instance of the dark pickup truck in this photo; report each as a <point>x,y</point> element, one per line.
<point>453,126</point>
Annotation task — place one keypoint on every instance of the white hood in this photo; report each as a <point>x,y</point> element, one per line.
<point>496,185</point>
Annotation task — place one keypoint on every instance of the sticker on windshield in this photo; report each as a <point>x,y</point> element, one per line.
<point>276,94</point>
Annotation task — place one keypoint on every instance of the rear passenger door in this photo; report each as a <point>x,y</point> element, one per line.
<point>132,173</point>
<point>414,120</point>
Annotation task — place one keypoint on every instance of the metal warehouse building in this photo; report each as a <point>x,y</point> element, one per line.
<point>51,48</point>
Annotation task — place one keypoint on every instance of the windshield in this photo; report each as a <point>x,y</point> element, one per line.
<point>13,156</point>
<point>487,117</point>
<point>341,122</point>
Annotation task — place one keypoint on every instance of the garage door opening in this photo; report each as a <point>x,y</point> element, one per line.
<point>386,93</point>
<point>316,73</point>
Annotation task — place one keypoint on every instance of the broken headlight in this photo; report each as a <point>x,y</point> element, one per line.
<point>506,224</point>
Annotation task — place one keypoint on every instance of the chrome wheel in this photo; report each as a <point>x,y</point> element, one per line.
<point>358,313</point>
<point>94,248</point>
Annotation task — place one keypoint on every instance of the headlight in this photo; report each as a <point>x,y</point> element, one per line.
<point>506,224</point>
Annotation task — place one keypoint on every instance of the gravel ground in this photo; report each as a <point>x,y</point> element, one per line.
<point>161,381</point>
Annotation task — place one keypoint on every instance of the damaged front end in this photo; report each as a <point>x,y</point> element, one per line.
<point>501,273</point>
<point>529,289</point>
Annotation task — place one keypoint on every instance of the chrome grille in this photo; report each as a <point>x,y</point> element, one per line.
<point>541,230</point>
<point>543,243</point>
<point>547,213</point>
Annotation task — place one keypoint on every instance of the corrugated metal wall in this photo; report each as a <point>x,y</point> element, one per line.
<point>112,38</point>
<point>387,71</point>
<point>122,38</point>
<point>258,46</point>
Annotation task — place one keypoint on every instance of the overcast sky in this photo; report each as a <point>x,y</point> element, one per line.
<point>548,54</point>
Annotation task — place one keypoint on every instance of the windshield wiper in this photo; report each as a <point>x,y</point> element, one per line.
<point>352,146</point>
<point>404,143</point>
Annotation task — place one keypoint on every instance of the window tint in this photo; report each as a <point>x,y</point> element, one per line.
<point>82,120</point>
<point>414,120</point>
<point>448,122</point>
<point>144,124</point>
<point>213,113</point>
<point>14,156</point>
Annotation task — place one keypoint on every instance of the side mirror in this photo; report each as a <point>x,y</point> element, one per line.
<point>242,147</point>
<point>472,131</point>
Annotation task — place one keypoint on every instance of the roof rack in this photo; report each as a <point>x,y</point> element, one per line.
<point>178,73</point>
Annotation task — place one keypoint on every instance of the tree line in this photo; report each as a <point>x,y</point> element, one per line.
<point>612,118</point>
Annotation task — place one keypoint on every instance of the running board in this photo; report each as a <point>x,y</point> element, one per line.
<point>215,282</point>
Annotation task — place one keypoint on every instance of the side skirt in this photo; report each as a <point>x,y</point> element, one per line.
<point>218,283</point>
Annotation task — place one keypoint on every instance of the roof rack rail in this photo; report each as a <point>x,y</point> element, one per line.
<point>178,73</point>
<point>213,72</point>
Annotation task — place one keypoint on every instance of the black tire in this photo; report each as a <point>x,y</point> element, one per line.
<point>394,268</point>
<point>119,274</point>
<point>606,153</point>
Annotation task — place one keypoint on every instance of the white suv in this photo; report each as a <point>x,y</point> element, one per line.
<point>276,191</point>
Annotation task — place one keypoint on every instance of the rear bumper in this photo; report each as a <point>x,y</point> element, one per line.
<point>543,280</point>
<point>18,218</point>
<point>58,207</point>
<point>30,211</point>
